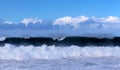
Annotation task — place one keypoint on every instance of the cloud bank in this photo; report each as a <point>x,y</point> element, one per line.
<point>110,23</point>
<point>70,21</point>
<point>26,21</point>
<point>65,25</point>
<point>80,21</point>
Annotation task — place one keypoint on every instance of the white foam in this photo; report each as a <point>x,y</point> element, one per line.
<point>2,38</point>
<point>52,52</point>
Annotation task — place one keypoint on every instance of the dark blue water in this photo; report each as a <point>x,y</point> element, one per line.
<point>68,41</point>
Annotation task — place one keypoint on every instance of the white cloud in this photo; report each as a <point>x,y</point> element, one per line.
<point>110,19</point>
<point>2,21</point>
<point>8,22</point>
<point>95,23</point>
<point>68,24</point>
<point>31,20</point>
<point>110,22</point>
<point>74,21</point>
<point>69,20</point>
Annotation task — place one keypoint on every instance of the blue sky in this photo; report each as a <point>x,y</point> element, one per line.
<point>69,17</point>
<point>16,10</point>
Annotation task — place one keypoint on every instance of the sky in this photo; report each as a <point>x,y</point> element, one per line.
<point>16,10</point>
<point>64,17</point>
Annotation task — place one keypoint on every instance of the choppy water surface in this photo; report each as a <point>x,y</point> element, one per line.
<point>93,63</point>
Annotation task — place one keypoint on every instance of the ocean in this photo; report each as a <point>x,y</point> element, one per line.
<point>66,53</point>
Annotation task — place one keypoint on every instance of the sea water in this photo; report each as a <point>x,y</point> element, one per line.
<point>59,58</point>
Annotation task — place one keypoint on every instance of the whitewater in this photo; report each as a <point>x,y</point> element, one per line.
<point>53,52</point>
<point>53,57</point>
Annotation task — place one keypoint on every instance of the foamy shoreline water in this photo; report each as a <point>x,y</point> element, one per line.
<point>84,63</point>
<point>9,52</point>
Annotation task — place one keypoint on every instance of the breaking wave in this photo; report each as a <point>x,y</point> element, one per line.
<point>2,38</point>
<point>62,41</point>
<point>9,52</point>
